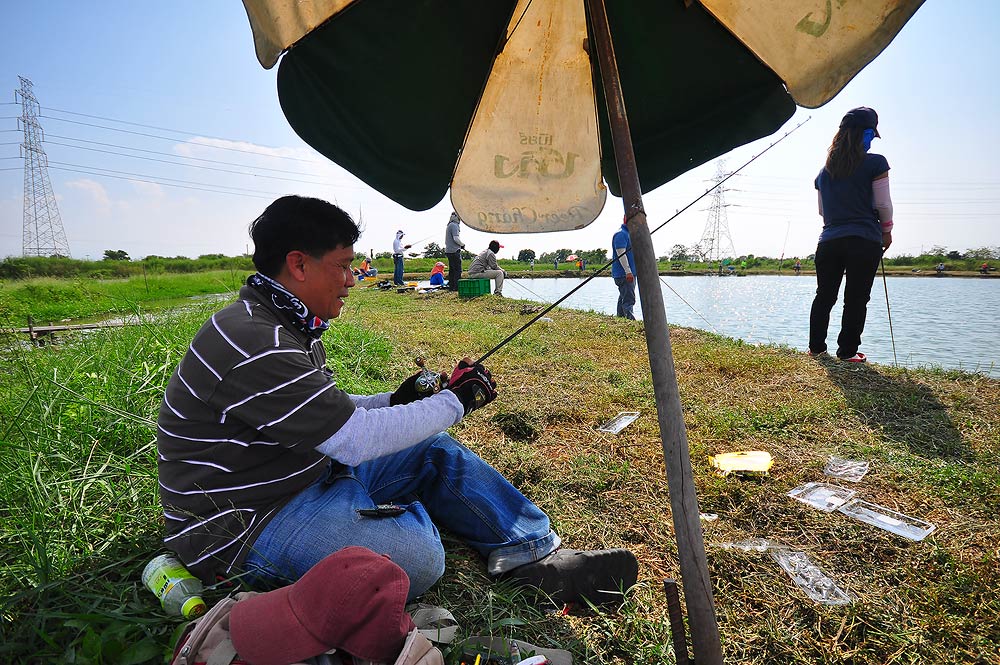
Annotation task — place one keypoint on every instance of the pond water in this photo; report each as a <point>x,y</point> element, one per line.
<point>946,322</point>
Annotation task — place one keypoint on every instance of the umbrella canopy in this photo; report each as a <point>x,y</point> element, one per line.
<point>397,92</point>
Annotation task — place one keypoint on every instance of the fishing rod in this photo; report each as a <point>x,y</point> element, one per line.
<point>417,242</point>
<point>721,182</point>
<point>888,312</point>
<point>607,265</point>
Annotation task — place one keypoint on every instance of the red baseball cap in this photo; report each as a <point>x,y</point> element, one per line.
<point>352,600</point>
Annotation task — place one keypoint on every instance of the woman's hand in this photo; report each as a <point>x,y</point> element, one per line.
<point>886,240</point>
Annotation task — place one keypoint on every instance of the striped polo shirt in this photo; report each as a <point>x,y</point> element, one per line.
<point>237,431</point>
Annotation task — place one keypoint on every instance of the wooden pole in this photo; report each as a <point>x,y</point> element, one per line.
<point>680,482</point>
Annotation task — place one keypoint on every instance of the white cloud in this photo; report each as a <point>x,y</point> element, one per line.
<point>96,190</point>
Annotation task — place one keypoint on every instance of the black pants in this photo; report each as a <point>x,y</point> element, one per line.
<point>858,259</point>
<point>454,270</point>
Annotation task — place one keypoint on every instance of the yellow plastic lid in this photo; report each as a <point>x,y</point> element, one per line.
<point>193,607</point>
<point>747,461</point>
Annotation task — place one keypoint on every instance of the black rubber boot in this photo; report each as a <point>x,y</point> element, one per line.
<point>569,576</point>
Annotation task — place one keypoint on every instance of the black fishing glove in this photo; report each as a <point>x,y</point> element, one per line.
<point>410,390</point>
<point>473,385</point>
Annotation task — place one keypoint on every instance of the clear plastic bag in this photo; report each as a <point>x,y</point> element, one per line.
<point>619,422</point>
<point>808,577</point>
<point>846,469</point>
<point>888,519</point>
<point>751,545</point>
<point>824,496</point>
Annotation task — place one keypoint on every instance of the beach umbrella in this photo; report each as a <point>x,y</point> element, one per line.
<point>572,257</point>
<point>518,108</point>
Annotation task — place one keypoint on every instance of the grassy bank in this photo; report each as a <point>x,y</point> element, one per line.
<point>50,299</point>
<point>79,514</point>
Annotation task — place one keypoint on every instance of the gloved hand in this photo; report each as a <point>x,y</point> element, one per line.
<point>473,385</point>
<point>407,391</point>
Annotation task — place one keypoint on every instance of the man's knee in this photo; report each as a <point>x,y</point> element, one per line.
<point>425,562</point>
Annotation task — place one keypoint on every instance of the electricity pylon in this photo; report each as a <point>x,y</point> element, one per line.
<point>716,243</point>
<point>43,228</point>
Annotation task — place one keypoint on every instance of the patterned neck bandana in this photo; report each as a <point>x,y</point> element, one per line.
<point>284,300</point>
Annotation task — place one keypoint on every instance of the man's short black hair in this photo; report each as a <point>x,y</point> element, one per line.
<point>299,223</point>
<point>494,246</point>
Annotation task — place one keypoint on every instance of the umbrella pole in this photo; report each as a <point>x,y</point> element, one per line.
<point>683,498</point>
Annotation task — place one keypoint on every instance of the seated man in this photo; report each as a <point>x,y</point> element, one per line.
<point>266,467</point>
<point>365,269</point>
<point>485,266</point>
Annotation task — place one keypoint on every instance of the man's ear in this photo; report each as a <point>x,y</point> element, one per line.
<point>295,262</point>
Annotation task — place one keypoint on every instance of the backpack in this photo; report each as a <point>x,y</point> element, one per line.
<point>206,641</point>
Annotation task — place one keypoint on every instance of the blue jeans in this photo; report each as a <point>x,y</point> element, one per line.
<point>439,482</point>
<point>626,297</point>
<point>397,264</point>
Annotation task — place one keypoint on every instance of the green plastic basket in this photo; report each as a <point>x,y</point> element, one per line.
<point>470,288</point>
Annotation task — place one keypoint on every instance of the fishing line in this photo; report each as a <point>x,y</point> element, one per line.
<point>781,262</point>
<point>600,270</point>
<point>607,265</point>
<point>540,298</point>
<point>888,312</point>
<point>689,305</point>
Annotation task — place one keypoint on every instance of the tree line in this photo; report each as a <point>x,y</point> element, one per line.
<point>117,263</point>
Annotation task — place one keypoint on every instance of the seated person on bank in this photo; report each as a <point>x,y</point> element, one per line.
<point>266,466</point>
<point>437,274</point>
<point>365,269</point>
<point>485,266</point>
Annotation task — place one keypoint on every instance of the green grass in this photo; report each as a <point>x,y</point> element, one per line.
<point>48,299</point>
<point>79,514</point>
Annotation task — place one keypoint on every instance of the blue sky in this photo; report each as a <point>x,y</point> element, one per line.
<point>190,66</point>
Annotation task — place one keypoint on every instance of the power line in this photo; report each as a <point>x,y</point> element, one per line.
<point>174,140</point>
<point>144,175</point>
<point>152,179</point>
<point>192,166</point>
<point>165,184</point>
<point>138,124</point>
<point>197,159</point>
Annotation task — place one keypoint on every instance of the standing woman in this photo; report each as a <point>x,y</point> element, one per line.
<point>854,201</point>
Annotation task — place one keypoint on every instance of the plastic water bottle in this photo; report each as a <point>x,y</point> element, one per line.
<point>178,590</point>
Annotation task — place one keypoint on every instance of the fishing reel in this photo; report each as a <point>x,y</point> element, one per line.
<point>429,381</point>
